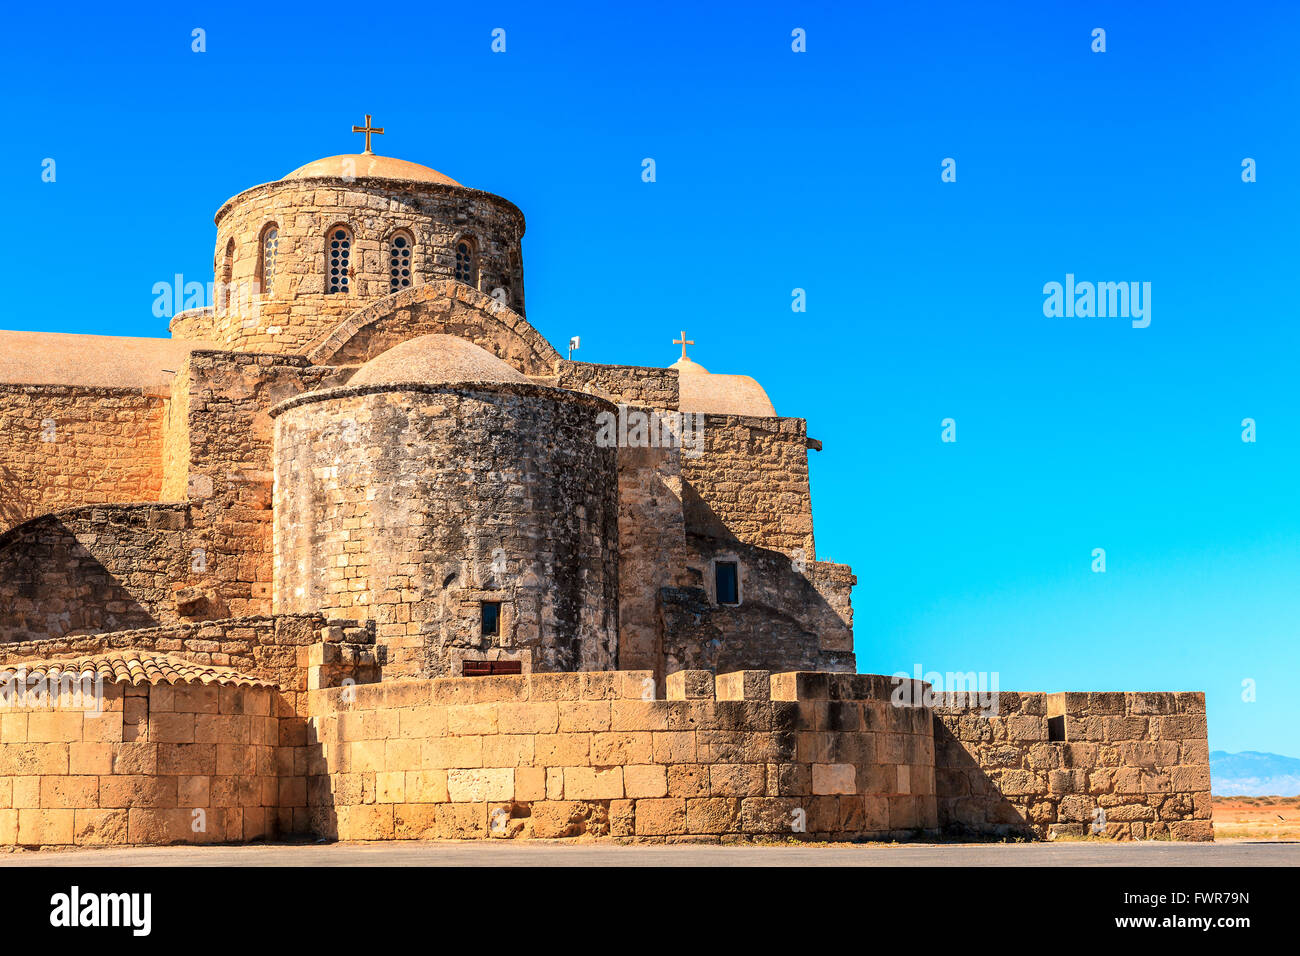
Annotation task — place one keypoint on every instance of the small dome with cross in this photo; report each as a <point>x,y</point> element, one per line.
<point>702,391</point>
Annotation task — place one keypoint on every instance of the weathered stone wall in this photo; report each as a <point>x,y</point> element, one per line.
<point>229,472</point>
<point>176,439</point>
<point>411,505</point>
<point>62,446</point>
<point>744,755</point>
<point>562,755</point>
<point>751,484</point>
<point>1142,758</point>
<point>297,309</point>
<point>94,569</point>
<point>791,615</point>
<point>623,384</point>
<point>652,551</point>
<point>190,763</point>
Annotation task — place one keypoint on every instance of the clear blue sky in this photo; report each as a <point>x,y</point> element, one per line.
<point>820,170</point>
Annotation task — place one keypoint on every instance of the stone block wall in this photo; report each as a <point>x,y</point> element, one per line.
<point>190,763</point>
<point>63,446</point>
<point>229,471</point>
<point>412,505</point>
<point>751,484</point>
<point>652,551</point>
<point>1140,758</point>
<point>791,615</point>
<point>96,569</point>
<point>744,755</point>
<point>623,384</point>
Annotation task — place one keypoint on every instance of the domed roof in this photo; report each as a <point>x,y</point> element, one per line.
<point>368,164</point>
<point>435,359</point>
<point>702,391</point>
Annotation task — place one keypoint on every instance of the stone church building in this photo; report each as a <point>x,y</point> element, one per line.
<point>357,552</point>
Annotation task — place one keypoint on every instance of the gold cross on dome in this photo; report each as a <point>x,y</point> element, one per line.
<point>368,129</point>
<point>683,342</point>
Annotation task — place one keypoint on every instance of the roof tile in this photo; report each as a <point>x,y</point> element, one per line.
<point>133,667</point>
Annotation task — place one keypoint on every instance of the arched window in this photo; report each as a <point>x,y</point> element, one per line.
<point>399,261</point>
<point>270,244</point>
<point>227,273</point>
<point>338,259</point>
<point>466,266</point>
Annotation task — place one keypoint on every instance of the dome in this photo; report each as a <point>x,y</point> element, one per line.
<point>702,391</point>
<point>435,359</point>
<point>369,165</point>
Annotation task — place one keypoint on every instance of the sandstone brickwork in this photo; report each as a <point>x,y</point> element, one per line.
<point>1127,765</point>
<point>565,755</point>
<point>160,763</point>
<point>97,569</point>
<point>751,484</point>
<point>411,506</point>
<point>651,388</point>
<point>62,446</point>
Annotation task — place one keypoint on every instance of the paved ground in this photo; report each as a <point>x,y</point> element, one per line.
<point>541,853</point>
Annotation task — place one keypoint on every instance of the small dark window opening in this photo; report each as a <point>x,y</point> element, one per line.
<point>1056,728</point>
<point>490,668</point>
<point>727,582</point>
<point>490,616</point>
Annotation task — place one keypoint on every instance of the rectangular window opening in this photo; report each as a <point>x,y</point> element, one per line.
<point>490,618</point>
<point>727,582</point>
<point>1056,729</point>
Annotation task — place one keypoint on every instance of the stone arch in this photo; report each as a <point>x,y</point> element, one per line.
<point>445,306</point>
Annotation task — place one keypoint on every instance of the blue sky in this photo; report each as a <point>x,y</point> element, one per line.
<point>821,171</point>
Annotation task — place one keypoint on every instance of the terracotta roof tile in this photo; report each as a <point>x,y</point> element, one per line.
<point>134,667</point>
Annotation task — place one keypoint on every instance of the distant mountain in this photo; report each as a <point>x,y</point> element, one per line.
<point>1254,774</point>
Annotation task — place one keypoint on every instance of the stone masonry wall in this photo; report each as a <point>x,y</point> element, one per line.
<point>190,763</point>
<point>562,755</point>
<point>1142,758</point>
<point>791,615</point>
<point>624,384</point>
<point>230,472</point>
<point>412,505</point>
<point>62,446</point>
<point>751,484</point>
<point>652,551</point>
<point>97,568</point>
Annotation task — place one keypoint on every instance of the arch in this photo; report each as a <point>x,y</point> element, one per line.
<point>227,275</point>
<point>444,306</point>
<point>400,256</point>
<point>465,249</point>
<point>268,247</point>
<point>338,259</point>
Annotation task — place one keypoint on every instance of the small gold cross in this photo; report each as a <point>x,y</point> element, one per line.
<point>683,342</point>
<point>368,129</point>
